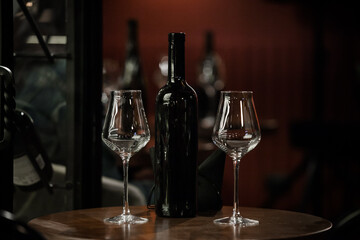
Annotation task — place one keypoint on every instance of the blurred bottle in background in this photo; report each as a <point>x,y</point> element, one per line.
<point>132,76</point>
<point>210,82</point>
<point>111,75</point>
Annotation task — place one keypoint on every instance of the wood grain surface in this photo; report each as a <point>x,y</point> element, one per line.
<point>88,224</point>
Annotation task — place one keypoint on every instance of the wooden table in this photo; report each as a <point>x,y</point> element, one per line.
<point>88,224</point>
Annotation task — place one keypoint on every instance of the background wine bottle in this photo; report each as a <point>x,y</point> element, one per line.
<point>32,167</point>
<point>176,139</point>
<point>209,84</point>
<point>132,77</point>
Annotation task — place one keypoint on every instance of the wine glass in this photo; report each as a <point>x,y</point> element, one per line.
<point>237,132</point>
<point>125,132</point>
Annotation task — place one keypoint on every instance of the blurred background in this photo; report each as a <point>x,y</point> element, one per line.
<point>300,58</point>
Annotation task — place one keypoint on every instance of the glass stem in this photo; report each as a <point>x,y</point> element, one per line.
<point>126,209</point>
<point>236,210</point>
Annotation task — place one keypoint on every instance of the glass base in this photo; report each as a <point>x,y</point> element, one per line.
<point>121,219</point>
<point>241,221</point>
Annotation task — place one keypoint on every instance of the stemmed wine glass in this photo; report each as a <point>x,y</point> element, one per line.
<point>125,132</point>
<point>237,132</point>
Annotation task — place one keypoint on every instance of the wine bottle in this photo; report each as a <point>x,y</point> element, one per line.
<point>2,110</point>
<point>176,138</point>
<point>132,77</point>
<point>32,167</point>
<point>210,83</point>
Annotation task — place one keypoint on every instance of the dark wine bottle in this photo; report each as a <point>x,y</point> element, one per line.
<point>210,83</point>
<point>32,167</point>
<point>132,77</point>
<point>176,139</point>
<point>2,110</point>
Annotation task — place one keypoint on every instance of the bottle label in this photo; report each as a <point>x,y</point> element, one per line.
<point>24,172</point>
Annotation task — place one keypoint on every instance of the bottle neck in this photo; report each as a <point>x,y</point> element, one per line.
<point>176,58</point>
<point>132,43</point>
<point>209,43</point>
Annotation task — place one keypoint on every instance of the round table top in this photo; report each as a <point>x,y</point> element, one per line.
<point>88,224</point>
